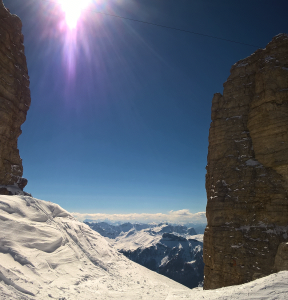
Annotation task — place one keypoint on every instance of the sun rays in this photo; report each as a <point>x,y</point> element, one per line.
<point>73,9</point>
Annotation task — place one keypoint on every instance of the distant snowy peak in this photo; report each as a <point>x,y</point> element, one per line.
<point>113,231</point>
<point>168,228</point>
<point>171,250</point>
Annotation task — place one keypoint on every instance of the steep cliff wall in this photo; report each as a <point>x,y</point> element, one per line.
<point>247,171</point>
<point>14,98</point>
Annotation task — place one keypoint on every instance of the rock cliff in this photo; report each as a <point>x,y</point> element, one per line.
<point>247,170</point>
<point>14,99</point>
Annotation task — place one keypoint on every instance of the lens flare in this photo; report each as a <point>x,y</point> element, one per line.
<point>73,9</point>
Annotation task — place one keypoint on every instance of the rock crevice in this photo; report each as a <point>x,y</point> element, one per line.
<point>247,170</point>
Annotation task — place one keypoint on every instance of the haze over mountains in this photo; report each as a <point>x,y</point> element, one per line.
<point>112,230</point>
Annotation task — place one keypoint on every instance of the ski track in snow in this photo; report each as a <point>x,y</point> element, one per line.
<point>45,253</point>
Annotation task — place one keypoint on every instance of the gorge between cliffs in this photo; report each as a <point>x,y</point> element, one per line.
<point>247,180</point>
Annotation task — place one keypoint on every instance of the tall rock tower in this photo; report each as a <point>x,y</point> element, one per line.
<point>247,171</point>
<point>14,98</point>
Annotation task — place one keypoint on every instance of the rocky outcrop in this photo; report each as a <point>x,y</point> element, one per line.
<point>14,99</point>
<point>281,259</point>
<point>247,171</point>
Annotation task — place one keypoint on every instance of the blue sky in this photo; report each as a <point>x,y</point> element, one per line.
<point>120,116</point>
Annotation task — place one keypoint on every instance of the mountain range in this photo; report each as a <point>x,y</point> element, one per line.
<point>171,250</point>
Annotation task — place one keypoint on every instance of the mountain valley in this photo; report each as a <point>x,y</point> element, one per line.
<point>171,250</point>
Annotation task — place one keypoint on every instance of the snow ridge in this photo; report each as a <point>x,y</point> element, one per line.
<point>46,254</point>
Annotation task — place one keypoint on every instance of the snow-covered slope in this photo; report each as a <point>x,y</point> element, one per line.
<point>145,238</point>
<point>171,250</point>
<point>46,254</point>
<point>178,256</point>
<point>271,287</point>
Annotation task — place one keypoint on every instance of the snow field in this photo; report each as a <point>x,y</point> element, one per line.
<point>46,254</point>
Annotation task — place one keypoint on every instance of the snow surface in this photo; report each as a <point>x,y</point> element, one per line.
<point>46,254</point>
<point>173,251</point>
<point>197,237</point>
<point>133,239</point>
<point>146,238</point>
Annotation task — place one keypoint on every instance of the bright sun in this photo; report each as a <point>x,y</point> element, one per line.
<point>72,9</point>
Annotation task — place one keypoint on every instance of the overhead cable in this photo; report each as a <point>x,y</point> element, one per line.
<point>164,26</point>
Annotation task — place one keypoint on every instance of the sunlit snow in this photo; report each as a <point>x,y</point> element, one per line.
<point>45,253</point>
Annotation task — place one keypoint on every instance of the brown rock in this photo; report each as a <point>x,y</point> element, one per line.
<point>4,191</point>
<point>247,170</point>
<point>281,259</point>
<point>14,97</point>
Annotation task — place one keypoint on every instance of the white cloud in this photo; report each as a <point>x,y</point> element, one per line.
<point>180,216</point>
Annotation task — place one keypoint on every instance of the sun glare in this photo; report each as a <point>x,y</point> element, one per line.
<point>73,9</point>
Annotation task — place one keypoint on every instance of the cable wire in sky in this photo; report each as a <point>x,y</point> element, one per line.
<point>164,26</point>
<point>174,28</point>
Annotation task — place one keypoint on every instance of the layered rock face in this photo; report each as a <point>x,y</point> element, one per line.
<point>14,98</point>
<point>247,171</point>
